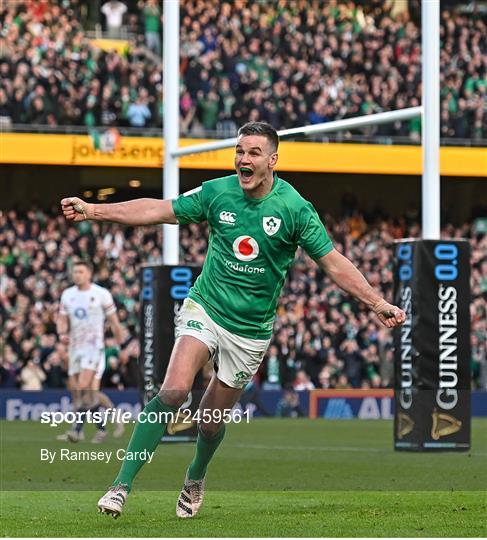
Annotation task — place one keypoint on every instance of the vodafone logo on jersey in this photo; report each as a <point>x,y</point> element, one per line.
<point>245,248</point>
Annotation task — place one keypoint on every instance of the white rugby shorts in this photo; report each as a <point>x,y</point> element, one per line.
<point>93,359</point>
<point>236,359</point>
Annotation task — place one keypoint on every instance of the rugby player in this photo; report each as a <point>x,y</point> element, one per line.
<point>81,326</point>
<point>256,222</point>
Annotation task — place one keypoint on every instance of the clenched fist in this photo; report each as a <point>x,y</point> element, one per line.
<point>389,315</point>
<point>75,209</point>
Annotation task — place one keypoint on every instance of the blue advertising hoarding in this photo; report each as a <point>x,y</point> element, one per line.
<point>328,404</point>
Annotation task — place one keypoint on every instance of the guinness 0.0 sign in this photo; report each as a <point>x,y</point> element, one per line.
<point>432,348</point>
<point>162,292</point>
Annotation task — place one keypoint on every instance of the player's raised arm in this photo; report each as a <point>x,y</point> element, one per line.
<point>350,279</point>
<point>135,212</point>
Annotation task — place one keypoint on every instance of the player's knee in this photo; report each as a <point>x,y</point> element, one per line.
<point>86,387</point>
<point>209,430</point>
<point>104,400</point>
<point>89,400</point>
<point>172,397</point>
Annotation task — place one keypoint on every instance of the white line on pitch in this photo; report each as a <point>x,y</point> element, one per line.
<point>324,448</point>
<point>312,448</point>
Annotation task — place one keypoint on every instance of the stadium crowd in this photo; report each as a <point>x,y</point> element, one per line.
<point>322,338</point>
<point>288,62</point>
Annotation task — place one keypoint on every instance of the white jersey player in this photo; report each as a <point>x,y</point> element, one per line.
<point>83,310</point>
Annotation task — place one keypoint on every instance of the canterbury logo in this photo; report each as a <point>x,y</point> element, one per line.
<point>228,217</point>
<point>195,324</point>
<point>242,377</point>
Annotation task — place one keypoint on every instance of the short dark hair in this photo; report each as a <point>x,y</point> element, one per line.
<point>261,128</point>
<point>85,264</point>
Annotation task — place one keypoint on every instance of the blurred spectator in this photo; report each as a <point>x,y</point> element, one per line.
<point>32,376</point>
<point>138,113</point>
<point>37,113</point>
<point>288,406</point>
<point>152,25</point>
<point>343,383</point>
<point>303,381</point>
<point>325,378</point>
<point>353,361</point>
<point>56,375</point>
<point>114,12</point>
<point>272,370</point>
<point>9,368</point>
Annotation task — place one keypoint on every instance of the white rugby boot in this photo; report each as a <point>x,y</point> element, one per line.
<point>75,436</point>
<point>191,498</point>
<point>99,436</point>
<point>72,436</point>
<point>119,430</point>
<point>112,502</point>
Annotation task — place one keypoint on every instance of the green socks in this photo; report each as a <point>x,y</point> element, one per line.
<point>147,435</point>
<point>205,448</point>
<point>145,438</point>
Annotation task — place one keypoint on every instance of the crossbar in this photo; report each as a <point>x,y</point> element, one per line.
<point>325,127</point>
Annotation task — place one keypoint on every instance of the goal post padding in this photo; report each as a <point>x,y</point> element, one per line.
<point>432,348</point>
<point>163,289</point>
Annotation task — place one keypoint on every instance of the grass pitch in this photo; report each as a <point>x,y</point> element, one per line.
<point>271,477</point>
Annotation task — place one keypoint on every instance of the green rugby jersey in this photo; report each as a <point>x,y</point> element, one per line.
<point>251,246</point>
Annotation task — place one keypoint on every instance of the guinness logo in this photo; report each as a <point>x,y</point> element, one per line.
<point>181,424</point>
<point>404,425</point>
<point>443,425</point>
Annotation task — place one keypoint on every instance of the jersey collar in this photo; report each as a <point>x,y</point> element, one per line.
<point>271,192</point>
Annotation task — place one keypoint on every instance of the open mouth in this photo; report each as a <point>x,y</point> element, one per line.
<point>246,172</point>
